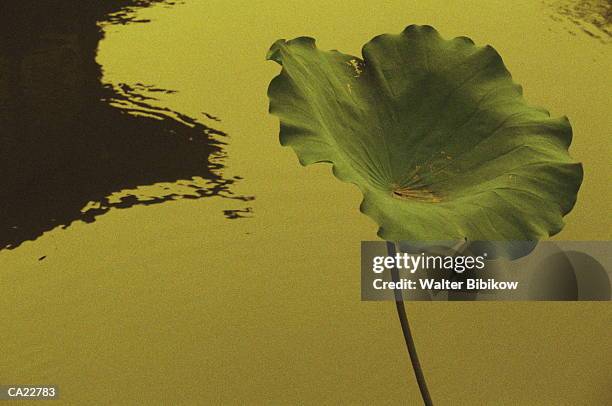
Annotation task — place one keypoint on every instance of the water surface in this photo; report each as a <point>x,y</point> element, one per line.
<point>176,303</point>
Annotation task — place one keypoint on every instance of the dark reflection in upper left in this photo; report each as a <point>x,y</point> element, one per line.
<point>67,140</point>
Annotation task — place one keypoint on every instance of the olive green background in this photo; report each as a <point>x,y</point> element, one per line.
<point>174,304</point>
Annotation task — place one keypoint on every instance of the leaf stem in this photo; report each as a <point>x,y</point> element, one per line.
<point>401,312</point>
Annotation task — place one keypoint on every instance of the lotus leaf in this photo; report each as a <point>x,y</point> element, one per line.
<point>434,132</point>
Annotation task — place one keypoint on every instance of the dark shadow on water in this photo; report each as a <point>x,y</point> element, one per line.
<point>71,148</point>
<point>591,17</point>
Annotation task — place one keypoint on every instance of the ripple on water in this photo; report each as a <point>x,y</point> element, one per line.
<point>591,17</point>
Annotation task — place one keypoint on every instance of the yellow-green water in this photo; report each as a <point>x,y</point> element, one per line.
<point>174,304</point>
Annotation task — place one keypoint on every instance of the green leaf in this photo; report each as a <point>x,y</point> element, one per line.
<point>434,132</point>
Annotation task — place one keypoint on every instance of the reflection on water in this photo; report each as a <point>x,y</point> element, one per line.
<point>593,17</point>
<point>71,148</point>
<point>126,13</point>
<point>238,213</point>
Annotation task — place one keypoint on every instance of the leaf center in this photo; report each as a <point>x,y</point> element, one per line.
<point>421,195</point>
